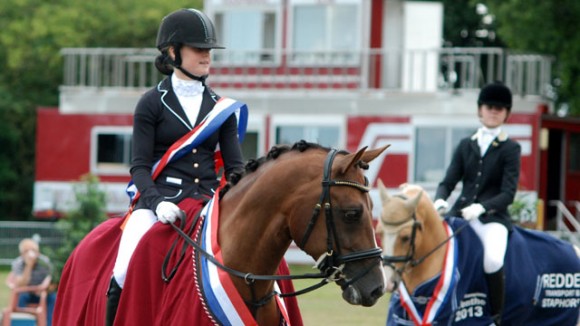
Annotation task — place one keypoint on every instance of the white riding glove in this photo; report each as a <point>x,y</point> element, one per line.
<point>167,212</point>
<point>441,206</point>
<point>472,211</point>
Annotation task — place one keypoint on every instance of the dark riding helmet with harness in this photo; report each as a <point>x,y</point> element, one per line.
<point>189,27</point>
<point>495,94</point>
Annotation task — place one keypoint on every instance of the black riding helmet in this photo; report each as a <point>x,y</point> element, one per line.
<point>187,26</point>
<point>495,94</point>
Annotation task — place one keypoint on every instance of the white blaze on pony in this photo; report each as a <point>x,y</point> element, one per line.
<point>439,269</point>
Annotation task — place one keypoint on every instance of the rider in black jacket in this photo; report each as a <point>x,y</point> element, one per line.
<point>163,115</point>
<point>488,165</point>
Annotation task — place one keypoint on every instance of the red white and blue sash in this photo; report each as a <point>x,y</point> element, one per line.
<point>215,285</point>
<point>215,118</point>
<point>443,290</point>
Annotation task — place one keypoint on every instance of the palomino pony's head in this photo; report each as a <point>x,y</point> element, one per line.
<point>318,198</point>
<point>409,228</point>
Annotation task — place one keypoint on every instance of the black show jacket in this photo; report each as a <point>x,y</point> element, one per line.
<point>159,121</point>
<point>491,180</point>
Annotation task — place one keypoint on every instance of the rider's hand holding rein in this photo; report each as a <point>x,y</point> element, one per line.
<point>472,211</point>
<point>441,206</point>
<point>167,212</point>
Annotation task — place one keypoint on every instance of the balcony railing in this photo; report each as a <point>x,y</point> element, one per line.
<point>373,69</point>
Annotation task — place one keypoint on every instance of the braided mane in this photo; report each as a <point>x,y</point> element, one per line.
<point>254,164</point>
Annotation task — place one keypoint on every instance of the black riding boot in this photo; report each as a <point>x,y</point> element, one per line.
<point>113,295</point>
<point>496,291</point>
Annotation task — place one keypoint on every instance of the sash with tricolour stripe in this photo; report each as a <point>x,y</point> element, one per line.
<point>443,290</point>
<point>210,124</point>
<point>217,290</point>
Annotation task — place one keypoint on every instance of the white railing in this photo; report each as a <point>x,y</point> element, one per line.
<point>567,225</point>
<point>372,69</point>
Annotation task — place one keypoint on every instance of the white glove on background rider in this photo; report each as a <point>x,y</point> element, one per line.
<point>472,211</point>
<point>167,212</point>
<point>441,206</point>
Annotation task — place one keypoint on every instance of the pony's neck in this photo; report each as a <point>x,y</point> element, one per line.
<point>254,229</point>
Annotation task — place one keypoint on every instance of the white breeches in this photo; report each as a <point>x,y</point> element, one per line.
<point>138,224</point>
<point>494,237</point>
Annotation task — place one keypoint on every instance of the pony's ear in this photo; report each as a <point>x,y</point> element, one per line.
<point>351,159</point>
<point>361,155</point>
<point>411,204</point>
<point>383,192</point>
<point>373,153</point>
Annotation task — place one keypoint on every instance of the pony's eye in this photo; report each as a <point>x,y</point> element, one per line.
<point>352,215</point>
<point>405,238</point>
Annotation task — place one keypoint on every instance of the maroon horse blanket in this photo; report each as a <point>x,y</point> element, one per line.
<point>146,299</point>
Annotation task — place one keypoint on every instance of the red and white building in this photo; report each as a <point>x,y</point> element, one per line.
<point>344,73</point>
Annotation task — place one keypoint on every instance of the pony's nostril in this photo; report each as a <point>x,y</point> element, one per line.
<point>378,292</point>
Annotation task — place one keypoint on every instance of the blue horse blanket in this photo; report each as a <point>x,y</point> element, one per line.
<point>542,284</point>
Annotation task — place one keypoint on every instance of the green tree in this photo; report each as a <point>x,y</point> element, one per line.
<point>547,27</point>
<point>33,33</point>
<point>77,223</point>
<point>468,24</point>
<point>17,121</point>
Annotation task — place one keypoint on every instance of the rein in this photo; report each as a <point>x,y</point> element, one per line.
<point>330,264</point>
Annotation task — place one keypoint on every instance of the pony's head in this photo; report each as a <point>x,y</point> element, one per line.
<point>339,232</point>
<point>318,198</point>
<point>402,226</point>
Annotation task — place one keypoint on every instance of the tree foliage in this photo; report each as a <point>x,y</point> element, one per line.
<point>543,27</point>
<point>33,33</point>
<point>461,24</point>
<point>546,27</point>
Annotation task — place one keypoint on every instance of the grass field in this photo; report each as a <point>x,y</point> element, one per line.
<point>323,306</point>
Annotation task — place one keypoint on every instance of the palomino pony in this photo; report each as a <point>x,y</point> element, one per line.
<point>222,271</point>
<point>438,265</point>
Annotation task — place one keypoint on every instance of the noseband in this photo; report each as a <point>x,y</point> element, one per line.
<point>332,261</point>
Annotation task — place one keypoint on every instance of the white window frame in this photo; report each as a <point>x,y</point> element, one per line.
<point>325,57</point>
<point>310,120</point>
<point>269,6</point>
<point>256,125</point>
<point>437,122</point>
<point>114,169</point>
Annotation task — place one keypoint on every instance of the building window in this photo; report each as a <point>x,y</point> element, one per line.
<point>321,34</point>
<point>327,131</point>
<point>249,36</point>
<point>111,150</point>
<point>434,147</point>
<point>250,145</point>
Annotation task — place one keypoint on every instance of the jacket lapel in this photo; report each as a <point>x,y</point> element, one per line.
<point>172,103</point>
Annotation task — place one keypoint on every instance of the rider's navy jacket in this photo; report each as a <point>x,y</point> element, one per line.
<point>491,180</point>
<point>159,121</point>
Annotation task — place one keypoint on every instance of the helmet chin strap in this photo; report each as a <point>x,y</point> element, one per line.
<point>192,76</point>
<point>177,64</point>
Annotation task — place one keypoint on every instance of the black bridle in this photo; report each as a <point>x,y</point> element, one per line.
<point>330,264</point>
